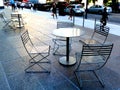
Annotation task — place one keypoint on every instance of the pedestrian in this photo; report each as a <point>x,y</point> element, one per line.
<point>104,17</point>
<point>18,5</point>
<point>13,6</point>
<point>35,6</point>
<point>71,13</point>
<point>54,10</point>
<point>22,5</point>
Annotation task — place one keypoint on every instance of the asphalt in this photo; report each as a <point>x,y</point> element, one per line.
<point>14,59</point>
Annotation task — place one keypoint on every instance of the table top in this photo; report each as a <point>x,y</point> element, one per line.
<point>68,32</point>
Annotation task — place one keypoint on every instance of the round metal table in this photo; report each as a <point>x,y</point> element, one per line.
<point>67,33</point>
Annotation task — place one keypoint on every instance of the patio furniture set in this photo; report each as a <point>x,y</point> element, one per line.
<point>94,55</point>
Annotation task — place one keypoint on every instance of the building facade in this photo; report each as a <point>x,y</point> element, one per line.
<point>1,4</point>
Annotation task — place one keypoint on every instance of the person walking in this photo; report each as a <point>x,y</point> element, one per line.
<point>13,6</point>
<point>22,5</point>
<point>54,10</point>
<point>71,13</point>
<point>104,17</point>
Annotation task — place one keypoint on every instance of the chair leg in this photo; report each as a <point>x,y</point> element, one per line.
<point>55,49</point>
<point>99,79</point>
<point>6,24</point>
<point>79,81</point>
<point>37,63</point>
<point>29,71</point>
<point>32,60</point>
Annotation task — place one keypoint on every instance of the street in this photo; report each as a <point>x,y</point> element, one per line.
<point>112,18</point>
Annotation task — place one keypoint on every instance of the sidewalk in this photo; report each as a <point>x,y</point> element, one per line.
<point>14,59</point>
<point>114,28</point>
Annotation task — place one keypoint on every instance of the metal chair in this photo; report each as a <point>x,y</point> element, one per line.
<point>60,42</point>
<point>2,16</point>
<point>8,22</point>
<point>99,32</point>
<point>92,58</point>
<point>17,20</point>
<point>38,54</point>
<point>5,19</point>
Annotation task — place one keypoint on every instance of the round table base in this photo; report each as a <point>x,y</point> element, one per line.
<point>71,61</point>
<point>19,26</point>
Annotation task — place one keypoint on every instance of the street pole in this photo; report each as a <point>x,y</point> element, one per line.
<point>73,19</point>
<point>86,10</point>
<point>83,19</point>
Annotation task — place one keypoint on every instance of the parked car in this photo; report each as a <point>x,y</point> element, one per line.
<point>44,6</point>
<point>99,9</point>
<point>77,8</point>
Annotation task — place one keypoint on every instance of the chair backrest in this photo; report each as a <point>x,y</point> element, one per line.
<point>16,16</point>
<point>64,24</point>
<point>96,54</point>
<point>25,37</point>
<point>26,41</point>
<point>103,31</point>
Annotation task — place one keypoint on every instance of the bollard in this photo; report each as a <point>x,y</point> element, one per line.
<point>73,19</point>
<point>95,23</point>
<point>83,19</point>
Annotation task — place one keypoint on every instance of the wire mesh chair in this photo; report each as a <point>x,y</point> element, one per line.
<point>99,32</point>
<point>38,54</point>
<point>60,42</point>
<point>92,58</point>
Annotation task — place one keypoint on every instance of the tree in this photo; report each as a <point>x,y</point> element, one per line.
<point>92,1</point>
<point>114,5</point>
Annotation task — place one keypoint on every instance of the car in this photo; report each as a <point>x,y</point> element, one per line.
<point>44,7</point>
<point>28,5</point>
<point>99,9</point>
<point>77,8</point>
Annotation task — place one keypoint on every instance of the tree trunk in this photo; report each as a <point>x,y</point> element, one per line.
<point>114,5</point>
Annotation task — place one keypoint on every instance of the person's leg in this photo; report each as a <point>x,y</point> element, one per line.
<point>56,15</point>
<point>70,17</point>
<point>53,15</point>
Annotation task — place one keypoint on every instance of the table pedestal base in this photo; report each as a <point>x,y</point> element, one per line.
<point>17,26</point>
<point>71,61</point>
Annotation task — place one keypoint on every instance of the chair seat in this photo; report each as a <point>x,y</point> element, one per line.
<point>90,59</point>
<point>40,49</point>
<point>60,42</point>
<point>99,35</point>
<point>15,19</point>
<point>89,41</point>
<point>93,59</point>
